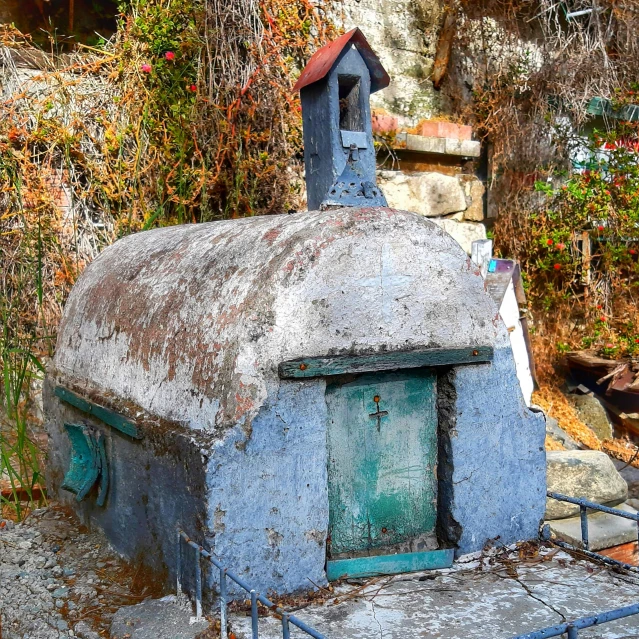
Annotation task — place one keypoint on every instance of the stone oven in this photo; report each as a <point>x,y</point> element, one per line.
<point>289,390</point>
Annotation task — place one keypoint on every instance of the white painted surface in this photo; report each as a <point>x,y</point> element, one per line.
<point>509,311</point>
<point>191,322</point>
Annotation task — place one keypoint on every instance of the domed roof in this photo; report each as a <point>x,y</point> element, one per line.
<point>190,322</point>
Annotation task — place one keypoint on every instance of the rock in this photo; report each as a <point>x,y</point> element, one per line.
<point>429,194</point>
<point>165,618</point>
<point>558,434</point>
<point>55,529</point>
<point>83,630</point>
<point>604,530</point>
<point>474,190</point>
<point>631,475</point>
<point>464,233</point>
<point>593,414</point>
<point>589,474</point>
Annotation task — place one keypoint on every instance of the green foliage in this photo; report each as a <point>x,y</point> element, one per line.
<point>583,248</point>
<point>168,48</point>
<point>20,467</point>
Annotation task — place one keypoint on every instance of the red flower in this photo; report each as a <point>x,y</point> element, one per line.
<point>146,68</point>
<point>549,242</point>
<point>169,55</point>
<point>601,227</point>
<point>632,252</point>
<point>599,306</point>
<point>561,246</point>
<point>602,319</point>
<point>557,267</point>
<point>193,88</point>
<point>610,345</point>
<point>637,341</point>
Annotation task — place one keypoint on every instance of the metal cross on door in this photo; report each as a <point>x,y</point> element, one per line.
<point>382,444</point>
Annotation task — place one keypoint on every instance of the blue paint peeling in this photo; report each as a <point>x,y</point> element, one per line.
<point>274,492</point>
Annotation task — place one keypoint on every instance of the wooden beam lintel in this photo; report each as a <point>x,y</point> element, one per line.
<point>397,360</point>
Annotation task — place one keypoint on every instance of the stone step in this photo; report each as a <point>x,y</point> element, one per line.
<point>604,530</point>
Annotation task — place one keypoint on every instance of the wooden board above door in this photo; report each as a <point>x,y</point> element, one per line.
<point>396,360</point>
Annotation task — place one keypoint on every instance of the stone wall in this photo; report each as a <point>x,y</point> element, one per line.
<point>453,202</point>
<point>403,33</point>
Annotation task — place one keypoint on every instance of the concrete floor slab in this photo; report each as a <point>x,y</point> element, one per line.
<point>604,530</point>
<point>496,597</point>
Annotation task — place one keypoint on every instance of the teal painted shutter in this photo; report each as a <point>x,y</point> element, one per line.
<point>382,442</point>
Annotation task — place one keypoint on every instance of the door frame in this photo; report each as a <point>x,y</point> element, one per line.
<point>330,365</point>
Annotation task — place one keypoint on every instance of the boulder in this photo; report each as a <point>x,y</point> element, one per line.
<point>464,233</point>
<point>554,431</point>
<point>593,414</point>
<point>589,474</point>
<point>429,194</point>
<point>166,618</point>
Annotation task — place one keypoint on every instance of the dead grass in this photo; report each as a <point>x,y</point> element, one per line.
<point>555,404</point>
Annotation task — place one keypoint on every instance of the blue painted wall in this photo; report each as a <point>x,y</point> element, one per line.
<point>267,492</point>
<point>498,456</point>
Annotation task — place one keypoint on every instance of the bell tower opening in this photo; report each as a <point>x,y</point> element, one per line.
<point>350,109</point>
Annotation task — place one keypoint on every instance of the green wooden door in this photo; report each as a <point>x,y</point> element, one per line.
<point>382,444</point>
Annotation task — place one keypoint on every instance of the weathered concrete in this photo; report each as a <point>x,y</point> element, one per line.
<point>506,502</point>
<point>604,530</point>
<point>154,484</point>
<point>182,329</point>
<point>495,602</point>
<point>582,473</point>
<point>167,618</point>
<point>191,322</point>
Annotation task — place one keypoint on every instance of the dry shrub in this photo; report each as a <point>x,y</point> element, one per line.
<point>186,115</point>
<point>93,146</point>
<point>525,74</point>
<point>557,406</point>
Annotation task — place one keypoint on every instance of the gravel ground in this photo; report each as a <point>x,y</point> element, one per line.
<point>57,579</point>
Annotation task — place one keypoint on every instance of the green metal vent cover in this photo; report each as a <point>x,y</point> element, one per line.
<point>88,463</point>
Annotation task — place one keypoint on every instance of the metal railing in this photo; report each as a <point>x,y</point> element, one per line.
<point>287,618</point>
<point>584,506</point>
<point>572,628</point>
